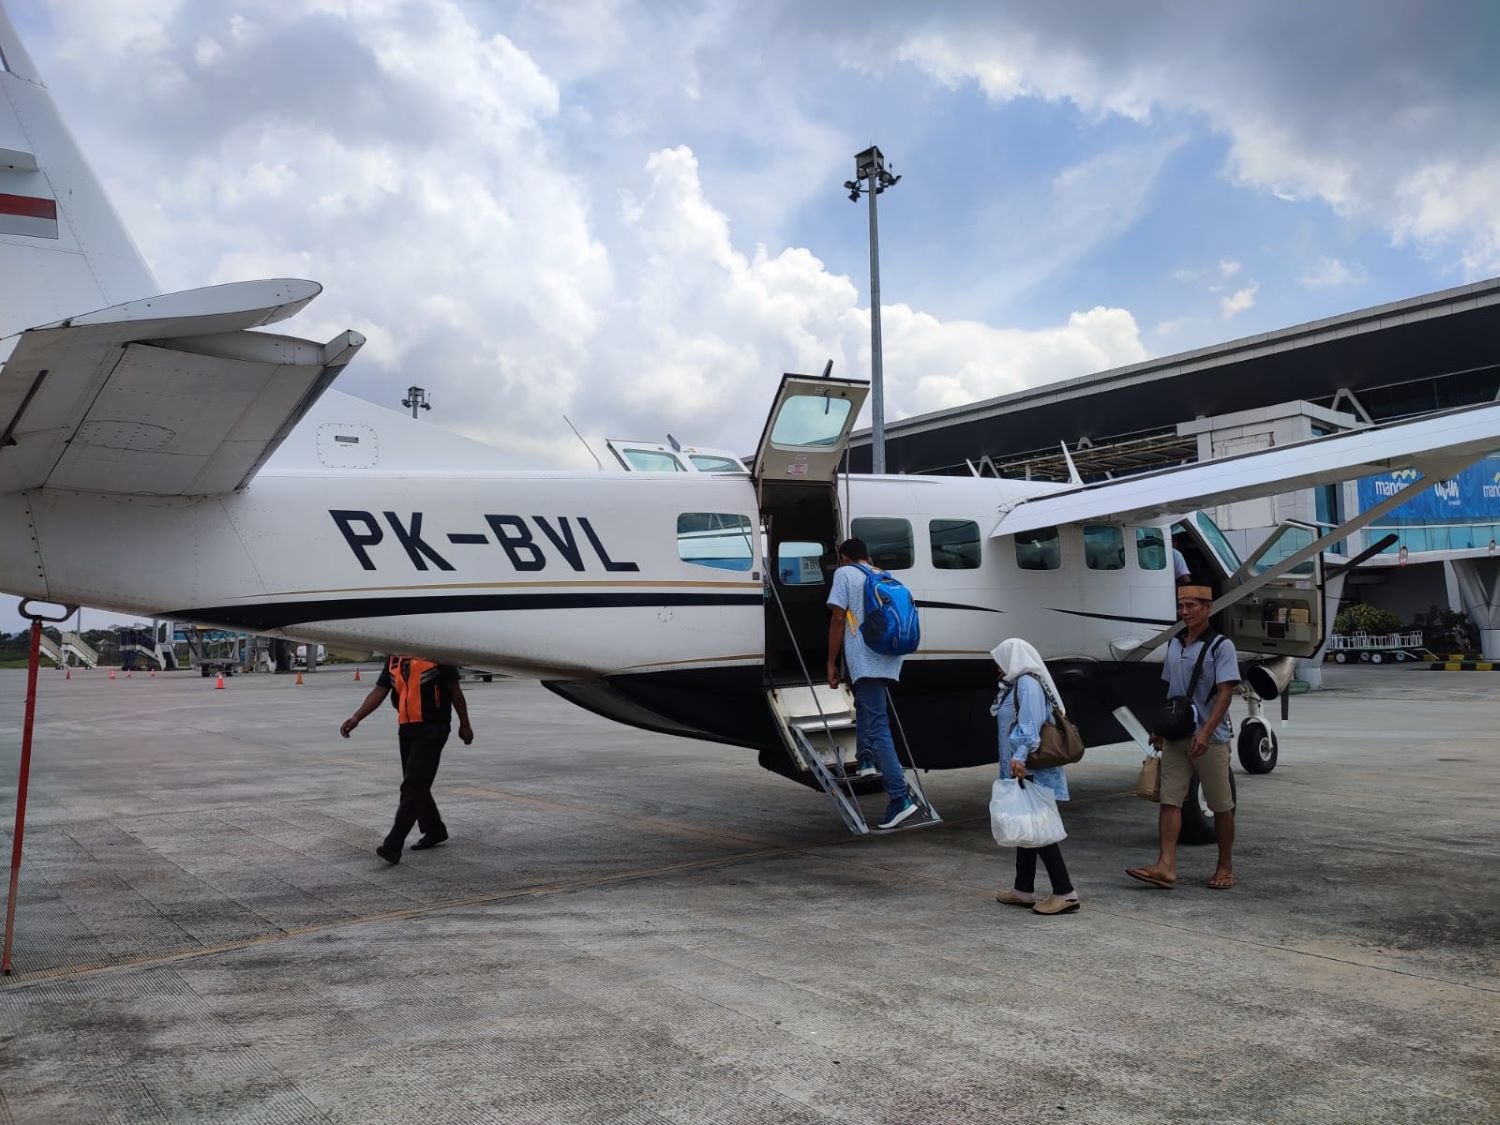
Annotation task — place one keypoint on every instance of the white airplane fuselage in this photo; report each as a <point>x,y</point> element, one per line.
<point>579,580</point>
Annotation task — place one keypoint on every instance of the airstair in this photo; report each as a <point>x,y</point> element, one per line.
<point>70,645</point>
<point>818,726</point>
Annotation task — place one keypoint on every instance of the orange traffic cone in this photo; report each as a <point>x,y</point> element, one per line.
<point>299,679</point>
<point>69,676</point>
<point>111,673</point>
<point>130,675</point>
<point>356,675</point>
<point>219,683</point>
<point>153,673</point>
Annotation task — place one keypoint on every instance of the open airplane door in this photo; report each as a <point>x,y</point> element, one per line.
<point>808,430</point>
<point>796,466</point>
<point>795,474</point>
<point>1285,616</point>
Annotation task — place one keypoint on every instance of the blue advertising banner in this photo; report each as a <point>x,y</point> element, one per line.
<point>1471,496</point>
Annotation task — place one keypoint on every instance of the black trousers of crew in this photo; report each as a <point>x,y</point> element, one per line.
<point>421,750</point>
<point>1057,870</point>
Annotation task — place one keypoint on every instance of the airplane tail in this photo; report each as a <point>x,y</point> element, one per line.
<point>108,385</point>
<point>63,248</point>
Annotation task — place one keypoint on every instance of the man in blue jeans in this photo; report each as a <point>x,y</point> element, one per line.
<point>872,673</point>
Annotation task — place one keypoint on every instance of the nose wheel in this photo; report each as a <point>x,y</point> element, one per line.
<point>1257,746</point>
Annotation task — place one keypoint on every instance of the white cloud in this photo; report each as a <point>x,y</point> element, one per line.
<point>1388,118</point>
<point>1228,267</point>
<point>497,245</point>
<point>1240,300</point>
<point>1330,273</point>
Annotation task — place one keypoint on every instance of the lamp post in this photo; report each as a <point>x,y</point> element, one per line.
<point>871,178</point>
<point>416,399</point>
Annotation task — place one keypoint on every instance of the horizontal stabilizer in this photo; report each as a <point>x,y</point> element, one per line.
<point>166,396</point>
<point>1440,444</point>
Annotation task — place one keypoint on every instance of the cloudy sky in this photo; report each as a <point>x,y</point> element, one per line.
<point>632,213</point>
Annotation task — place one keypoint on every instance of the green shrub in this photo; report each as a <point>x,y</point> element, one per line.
<point>1445,631</point>
<point>1366,619</point>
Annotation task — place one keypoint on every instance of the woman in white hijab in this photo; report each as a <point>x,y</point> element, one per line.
<point>1025,704</point>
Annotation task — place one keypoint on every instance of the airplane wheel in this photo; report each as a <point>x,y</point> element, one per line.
<point>1197,820</point>
<point>1377,658</point>
<point>1257,747</point>
<point>1341,658</point>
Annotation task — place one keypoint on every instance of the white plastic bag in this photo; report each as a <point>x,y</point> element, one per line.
<point>1024,815</point>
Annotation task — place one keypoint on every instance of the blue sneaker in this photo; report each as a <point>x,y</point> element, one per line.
<point>896,812</point>
<point>864,766</point>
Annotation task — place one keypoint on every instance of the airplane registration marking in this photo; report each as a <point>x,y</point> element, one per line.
<point>362,530</point>
<point>557,584</point>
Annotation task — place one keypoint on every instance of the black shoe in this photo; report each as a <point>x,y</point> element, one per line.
<point>431,840</point>
<point>388,853</point>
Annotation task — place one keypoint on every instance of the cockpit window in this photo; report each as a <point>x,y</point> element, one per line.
<point>706,464</point>
<point>649,461</point>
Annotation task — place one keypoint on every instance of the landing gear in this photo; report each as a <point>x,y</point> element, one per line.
<point>1257,746</point>
<point>1197,818</point>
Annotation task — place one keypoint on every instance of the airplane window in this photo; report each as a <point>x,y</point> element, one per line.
<point>648,461</point>
<point>1150,548</point>
<point>1039,550</point>
<point>810,420</point>
<point>799,564</point>
<point>889,541</point>
<point>717,539</point>
<point>955,544</point>
<point>1103,546</point>
<point>706,464</point>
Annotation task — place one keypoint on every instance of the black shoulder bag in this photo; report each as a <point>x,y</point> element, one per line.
<point>1178,717</point>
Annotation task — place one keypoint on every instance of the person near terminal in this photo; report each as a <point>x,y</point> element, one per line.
<point>1201,673</point>
<point>872,673</point>
<point>1025,704</point>
<point>425,695</point>
<point>1180,569</point>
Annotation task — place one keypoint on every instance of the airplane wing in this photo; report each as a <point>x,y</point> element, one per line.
<point>167,396</point>
<point>1437,446</point>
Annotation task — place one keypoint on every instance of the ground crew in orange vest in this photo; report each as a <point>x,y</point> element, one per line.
<point>425,696</point>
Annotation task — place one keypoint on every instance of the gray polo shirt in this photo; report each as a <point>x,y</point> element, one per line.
<point>1219,667</point>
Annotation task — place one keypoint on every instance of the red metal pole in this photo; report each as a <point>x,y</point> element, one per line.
<point>15,843</point>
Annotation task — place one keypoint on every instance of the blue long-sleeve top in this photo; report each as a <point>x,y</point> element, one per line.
<point>1020,729</point>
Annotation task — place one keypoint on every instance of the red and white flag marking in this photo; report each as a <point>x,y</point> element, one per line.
<point>28,215</point>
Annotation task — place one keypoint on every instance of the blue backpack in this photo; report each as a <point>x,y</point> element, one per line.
<point>890,626</point>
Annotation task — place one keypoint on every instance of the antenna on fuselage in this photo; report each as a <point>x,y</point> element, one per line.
<point>586,445</point>
<point>1073,477</point>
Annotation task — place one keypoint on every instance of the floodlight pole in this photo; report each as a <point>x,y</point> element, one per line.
<point>869,165</point>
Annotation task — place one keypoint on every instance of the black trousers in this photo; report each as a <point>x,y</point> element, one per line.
<point>1057,870</point>
<point>421,751</point>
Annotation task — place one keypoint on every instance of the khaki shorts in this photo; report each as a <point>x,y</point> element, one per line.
<point>1212,768</point>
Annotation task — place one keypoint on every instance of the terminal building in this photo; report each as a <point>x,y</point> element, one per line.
<point>1389,363</point>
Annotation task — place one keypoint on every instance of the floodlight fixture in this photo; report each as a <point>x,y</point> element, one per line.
<point>416,399</point>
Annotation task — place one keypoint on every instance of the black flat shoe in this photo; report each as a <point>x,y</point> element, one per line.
<point>431,840</point>
<point>388,853</point>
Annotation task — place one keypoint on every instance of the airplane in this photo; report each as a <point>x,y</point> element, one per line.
<point>249,496</point>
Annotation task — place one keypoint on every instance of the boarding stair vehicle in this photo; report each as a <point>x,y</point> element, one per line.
<point>70,648</point>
